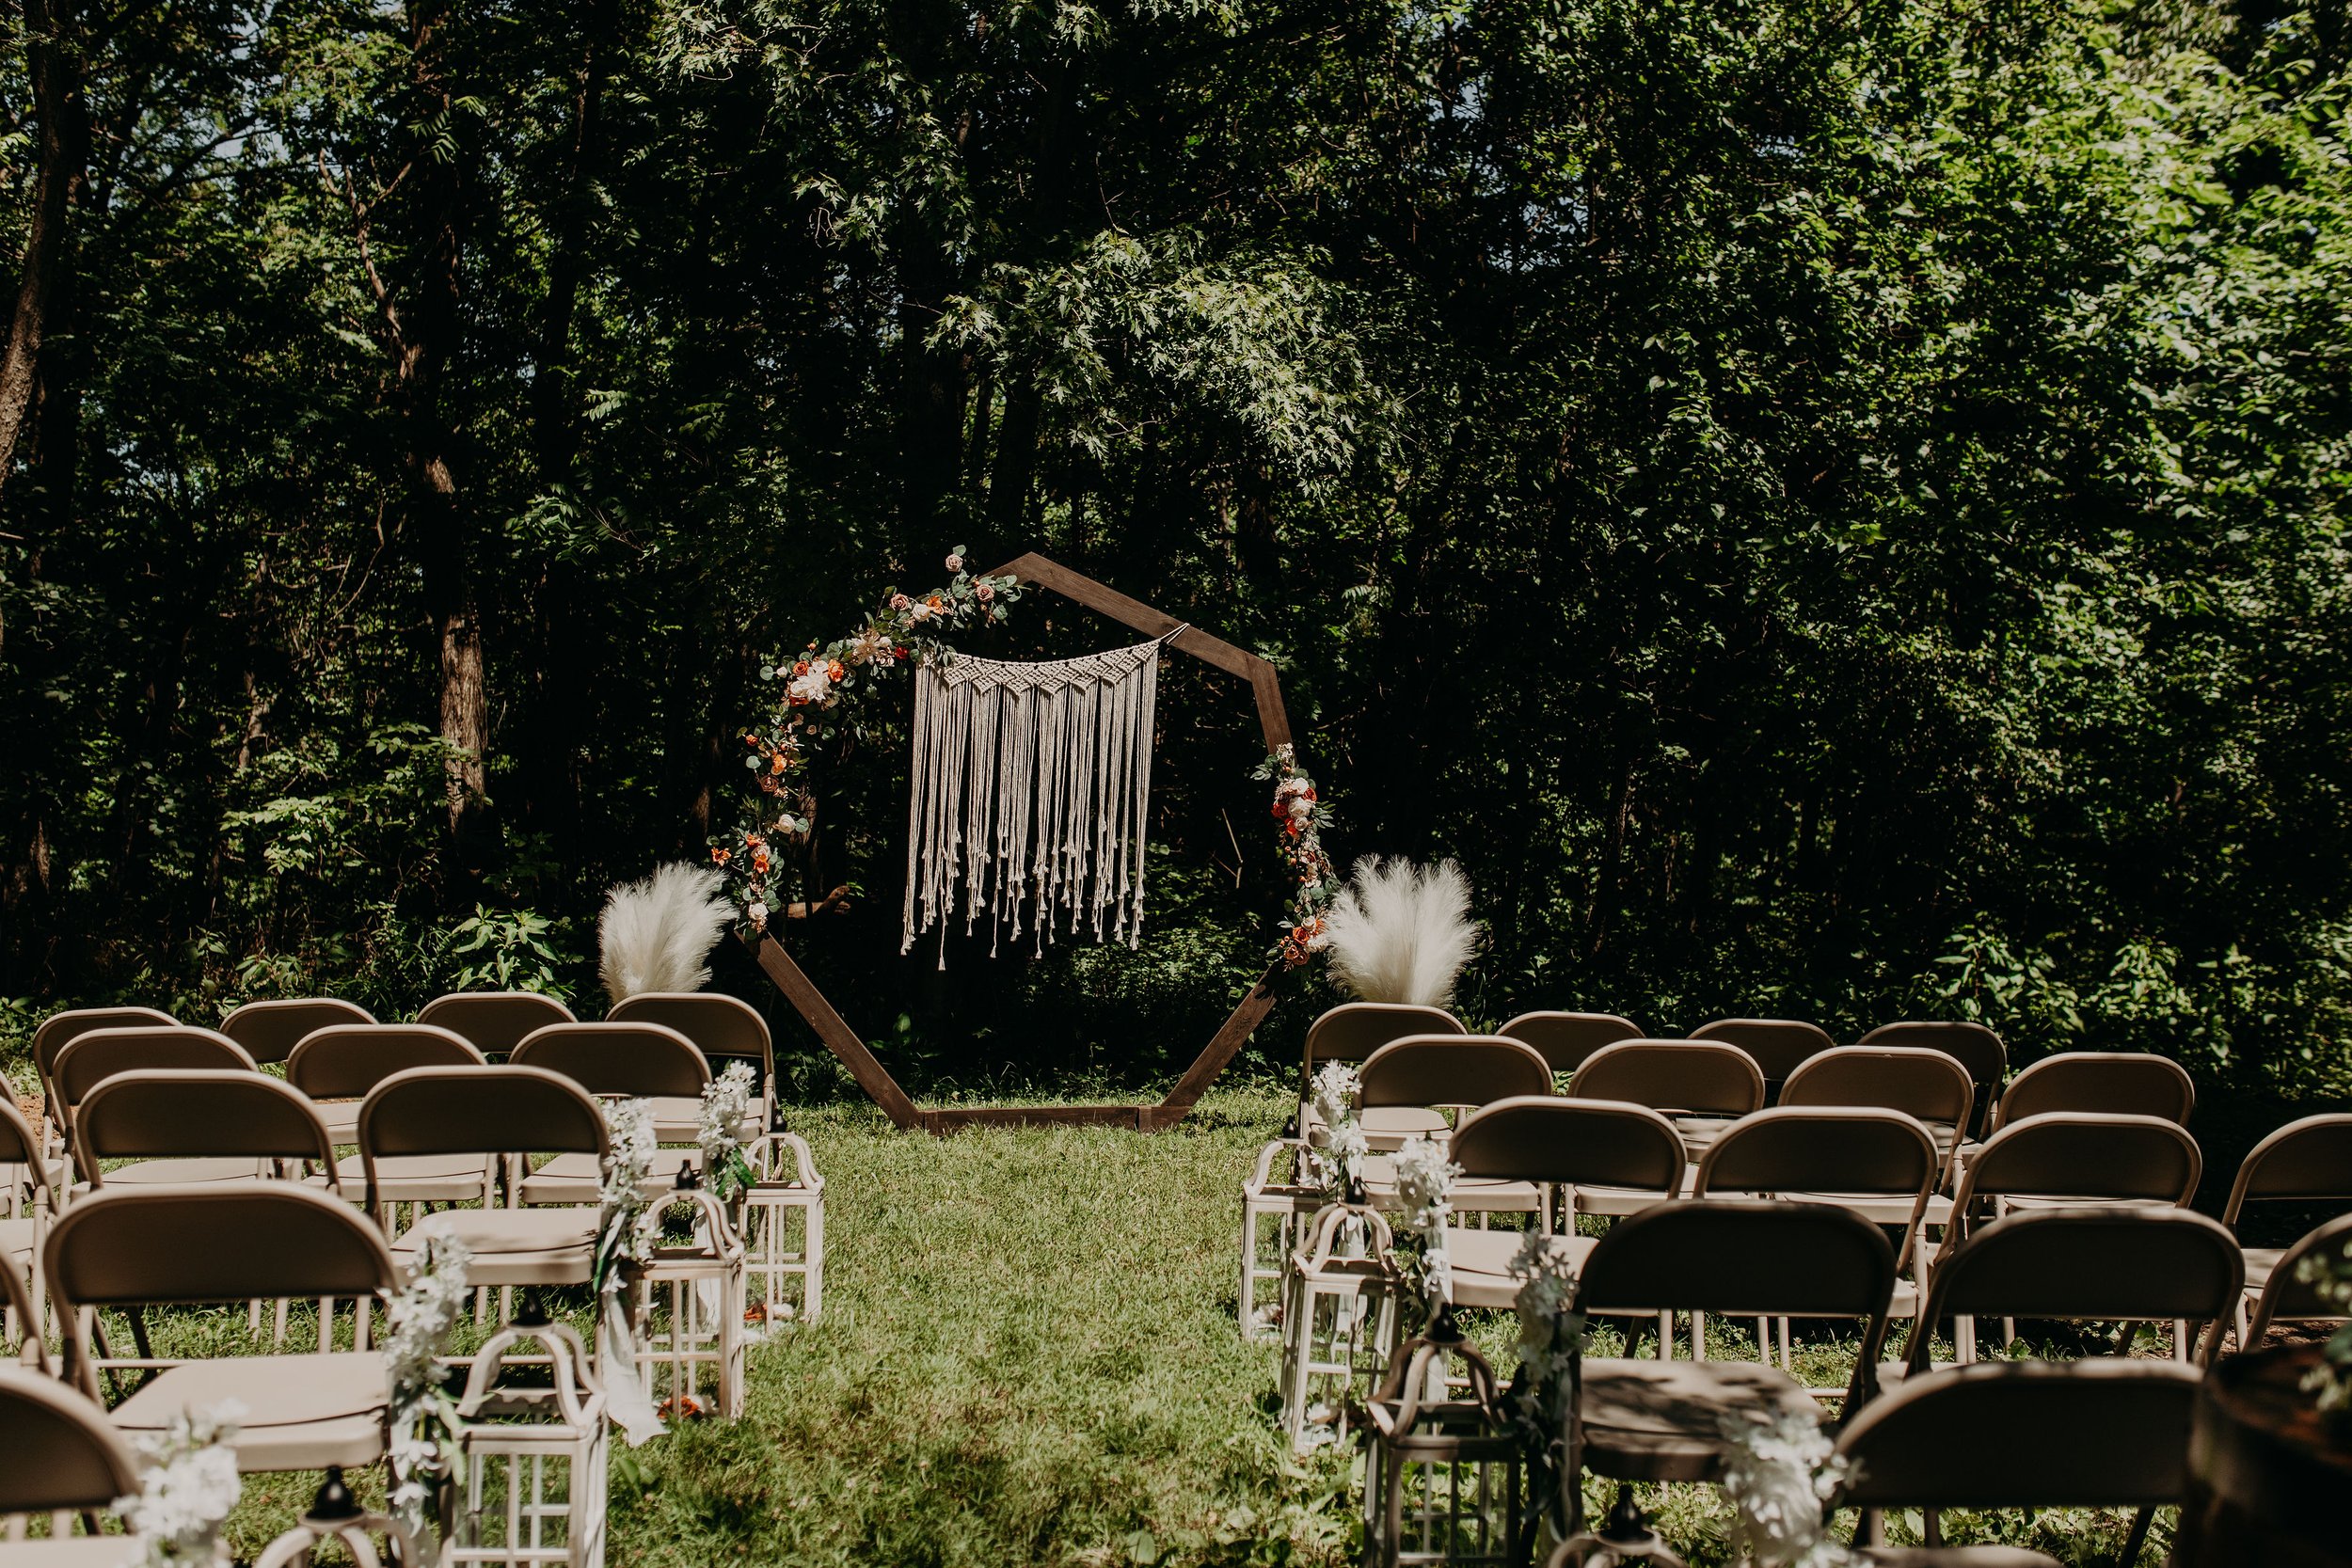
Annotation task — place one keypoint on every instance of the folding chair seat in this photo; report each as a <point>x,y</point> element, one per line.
<point>494,1021</point>
<point>635,1061</point>
<point>2082,1265</point>
<point>194,1126</point>
<point>1881,1165</point>
<point>1776,1045</point>
<point>99,1055</point>
<point>1923,1084</point>
<point>1566,1038</point>
<point>2101,1433</point>
<point>1645,1420</point>
<point>2285,1298</point>
<point>130,1249</point>
<point>1351,1032</point>
<point>2307,1161</point>
<point>56,1032</point>
<point>1974,1046</point>
<point>270,1030</point>
<point>1433,1074</point>
<point>1703,1086</point>
<point>513,1111</point>
<point>339,1065</point>
<point>60,1456</point>
<point>1549,1141</point>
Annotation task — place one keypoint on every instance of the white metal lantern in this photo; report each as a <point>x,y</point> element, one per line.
<point>534,1455</point>
<point>1272,1208</point>
<point>1445,1483</point>
<point>690,1313</point>
<point>782,1221</point>
<point>1339,1320</point>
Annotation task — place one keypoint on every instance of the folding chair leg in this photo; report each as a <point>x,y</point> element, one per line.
<point>2137,1538</point>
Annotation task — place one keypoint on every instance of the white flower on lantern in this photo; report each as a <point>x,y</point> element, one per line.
<point>189,1488</point>
<point>1338,1161</point>
<point>1781,1471</point>
<point>726,1107</point>
<point>1423,1177</point>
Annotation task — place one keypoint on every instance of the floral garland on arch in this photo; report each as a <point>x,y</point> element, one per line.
<point>820,686</point>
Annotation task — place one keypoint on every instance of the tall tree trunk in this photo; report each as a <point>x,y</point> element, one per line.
<point>431,331</point>
<point>55,49</point>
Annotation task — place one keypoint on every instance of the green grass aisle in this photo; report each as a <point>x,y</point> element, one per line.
<point>1027,1356</point>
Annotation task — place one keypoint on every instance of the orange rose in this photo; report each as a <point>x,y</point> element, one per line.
<point>720,854</point>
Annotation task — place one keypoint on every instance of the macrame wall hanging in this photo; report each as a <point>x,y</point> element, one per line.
<point>1031,786</point>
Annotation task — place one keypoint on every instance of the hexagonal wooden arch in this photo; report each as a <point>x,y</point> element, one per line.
<point>875,1079</point>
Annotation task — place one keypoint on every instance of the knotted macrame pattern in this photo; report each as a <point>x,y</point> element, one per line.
<point>1031,786</point>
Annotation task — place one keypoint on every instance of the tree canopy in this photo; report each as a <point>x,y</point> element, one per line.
<point>1831,508</point>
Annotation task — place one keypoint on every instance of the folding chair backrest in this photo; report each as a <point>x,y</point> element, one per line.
<point>1826,1148</point>
<point>478,1110</point>
<point>131,1245</point>
<point>2287,1299</point>
<point>269,1031</point>
<point>2309,1159</point>
<point>1566,1038</point>
<point>1750,1256</point>
<point>1354,1030</point>
<point>1702,1077</point>
<point>1582,1141</point>
<point>344,1061</point>
<point>2089,1265</point>
<point>2104,1433</point>
<point>721,1027</point>
<point>2087,1155</point>
<point>1911,1079</point>
<point>59,1030</point>
<point>1776,1045</point>
<point>494,1021</point>
<point>1453,1069</point>
<point>20,1140</point>
<point>2123,1083</point>
<point>1974,1046</point>
<point>639,1060</point>
<point>98,1055</point>
<point>161,1115</point>
<point>58,1452</point>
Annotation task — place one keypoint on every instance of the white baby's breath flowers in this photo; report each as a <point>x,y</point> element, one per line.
<point>627,1223</point>
<point>1423,1178</point>
<point>423,1418</point>
<point>1338,1148</point>
<point>189,1489</point>
<point>727,1104</point>
<point>1781,1472</point>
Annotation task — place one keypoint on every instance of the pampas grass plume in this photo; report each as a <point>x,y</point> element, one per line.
<point>1401,932</point>
<point>655,934</point>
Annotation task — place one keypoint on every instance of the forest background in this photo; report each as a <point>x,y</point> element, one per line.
<point>1827,508</point>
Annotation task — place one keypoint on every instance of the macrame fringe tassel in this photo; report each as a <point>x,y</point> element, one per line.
<point>1031,786</point>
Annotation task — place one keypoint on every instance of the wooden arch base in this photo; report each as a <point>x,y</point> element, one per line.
<point>843,1041</point>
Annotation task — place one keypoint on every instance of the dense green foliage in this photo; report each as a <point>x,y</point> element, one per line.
<point>1826,508</point>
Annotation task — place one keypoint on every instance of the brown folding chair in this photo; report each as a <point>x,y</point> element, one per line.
<point>1776,1045</point>
<point>2083,1265</point>
<point>1974,1046</point>
<point>494,1021</point>
<point>92,1058</point>
<point>1566,1038</point>
<point>2074,1159</point>
<point>269,1031</point>
<point>1644,1420</point>
<point>1881,1164</point>
<point>22,1234</point>
<point>2307,1161</point>
<point>59,1030</point>
<point>631,1061</point>
<point>1551,1141</point>
<point>1702,1086</point>
<point>2286,1299</point>
<point>512,1111</point>
<point>60,1456</point>
<point>2118,1082</point>
<point>1922,1084</point>
<point>339,1065</point>
<point>1429,1075</point>
<point>134,1248</point>
<point>1351,1032</point>
<point>2018,1434</point>
<point>185,1128</point>
<point>723,1028</point>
